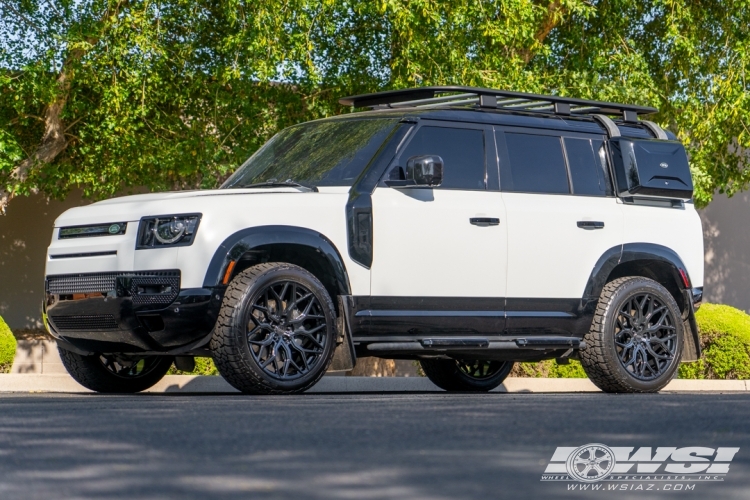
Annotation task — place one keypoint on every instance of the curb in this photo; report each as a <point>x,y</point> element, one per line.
<point>186,384</point>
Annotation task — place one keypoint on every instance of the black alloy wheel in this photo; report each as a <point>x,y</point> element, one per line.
<point>645,336</point>
<point>635,341</point>
<point>287,330</point>
<point>115,373</point>
<point>276,332</point>
<point>466,375</point>
<point>128,367</point>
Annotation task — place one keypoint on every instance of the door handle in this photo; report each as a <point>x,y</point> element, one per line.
<point>485,221</point>
<point>590,224</point>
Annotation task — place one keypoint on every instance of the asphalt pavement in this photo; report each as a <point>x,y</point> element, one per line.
<point>331,446</point>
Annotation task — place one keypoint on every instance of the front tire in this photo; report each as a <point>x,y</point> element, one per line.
<point>466,375</point>
<point>635,341</point>
<point>276,332</point>
<point>112,373</point>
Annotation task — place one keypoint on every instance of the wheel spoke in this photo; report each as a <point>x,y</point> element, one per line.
<point>644,336</point>
<point>287,330</point>
<point>655,355</point>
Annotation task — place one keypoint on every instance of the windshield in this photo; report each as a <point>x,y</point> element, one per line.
<point>326,153</point>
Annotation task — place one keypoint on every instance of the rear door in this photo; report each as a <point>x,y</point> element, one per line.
<point>562,217</point>
<point>439,256</point>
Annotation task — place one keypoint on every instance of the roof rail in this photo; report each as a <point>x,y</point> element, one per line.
<point>430,97</point>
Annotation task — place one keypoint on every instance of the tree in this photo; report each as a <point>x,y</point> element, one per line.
<point>174,94</point>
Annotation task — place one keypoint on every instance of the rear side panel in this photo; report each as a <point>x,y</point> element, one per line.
<point>676,228</point>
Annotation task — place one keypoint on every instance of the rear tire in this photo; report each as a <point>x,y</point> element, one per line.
<point>113,373</point>
<point>635,341</point>
<point>276,332</point>
<point>466,375</point>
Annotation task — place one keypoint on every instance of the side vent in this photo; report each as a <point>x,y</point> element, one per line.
<point>359,229</point>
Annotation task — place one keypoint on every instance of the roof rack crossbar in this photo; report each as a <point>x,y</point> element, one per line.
<point>506,102</point>
<point>420,102</point>
<point>532,106</point>
<point>428,97</point>
<point>586,109</point>
<point>463,102</point>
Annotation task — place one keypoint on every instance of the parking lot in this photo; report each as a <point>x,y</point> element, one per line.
<point>387,445</point>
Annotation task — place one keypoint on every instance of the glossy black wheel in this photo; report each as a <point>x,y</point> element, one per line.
<point>635,341</point>
<point>276,332</point>
<point>113,373</point>
<point>645,336</point>
<point>287,330</point>
<point>466,375</point>
<point>127,367</point>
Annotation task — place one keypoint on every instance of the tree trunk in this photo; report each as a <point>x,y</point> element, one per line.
<point>53,141</point>
<point>554,16</point>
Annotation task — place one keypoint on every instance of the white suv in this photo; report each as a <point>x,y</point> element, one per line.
<point>465,228</point>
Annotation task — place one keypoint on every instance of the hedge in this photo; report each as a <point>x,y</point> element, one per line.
<point>725,339</point>
<point>7,347</point>
<point>203,366</point>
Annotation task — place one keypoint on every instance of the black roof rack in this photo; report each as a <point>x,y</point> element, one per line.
<point>428,97</point>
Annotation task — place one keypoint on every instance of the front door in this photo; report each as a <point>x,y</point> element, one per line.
<point>439,255</point>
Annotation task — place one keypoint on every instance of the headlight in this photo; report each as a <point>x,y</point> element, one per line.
<point>167,231</point>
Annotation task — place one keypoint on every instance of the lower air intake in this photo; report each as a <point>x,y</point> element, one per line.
<point>85,322</point>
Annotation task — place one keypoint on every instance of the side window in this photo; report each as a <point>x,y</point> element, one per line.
<point>536,165</point>
<point>588,167</point>
<point>462,151</point>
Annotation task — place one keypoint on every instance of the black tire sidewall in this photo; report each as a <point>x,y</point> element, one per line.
<point>622,294</point>
<point>241,316</point>
<point>92,374</point>
<point>445,374</point>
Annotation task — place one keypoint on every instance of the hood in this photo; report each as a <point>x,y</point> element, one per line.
<point>133,208</point>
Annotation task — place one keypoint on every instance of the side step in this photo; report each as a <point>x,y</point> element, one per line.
<point>463,344</point>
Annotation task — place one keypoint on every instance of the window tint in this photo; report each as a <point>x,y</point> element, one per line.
<point>462,151</point>
<point>536,164</point>
<point>322,153</point>
<point>588,167</point>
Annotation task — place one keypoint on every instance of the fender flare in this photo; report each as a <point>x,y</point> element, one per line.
<point>630,252</point>
<point>239,243</point>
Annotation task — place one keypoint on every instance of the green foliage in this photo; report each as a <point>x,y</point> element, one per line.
<point>725,339</point>
<point>7,347</point>
<point>203,366</point>
<point>176,94</point>
<point>549,369</point>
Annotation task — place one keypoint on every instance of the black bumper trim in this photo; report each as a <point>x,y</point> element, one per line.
<point>133,326</point>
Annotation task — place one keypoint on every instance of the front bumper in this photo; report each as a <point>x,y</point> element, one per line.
<point>130,312</point>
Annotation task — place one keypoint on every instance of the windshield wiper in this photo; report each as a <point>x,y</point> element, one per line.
<point>276,183</point>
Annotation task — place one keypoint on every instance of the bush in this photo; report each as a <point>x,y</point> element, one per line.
<point>725,340</point>
<point>203,366</point>
<point>548,369</point>
<point>7,347</point>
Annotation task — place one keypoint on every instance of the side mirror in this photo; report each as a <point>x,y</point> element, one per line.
<point>425,170</point>
<point>421,171</point>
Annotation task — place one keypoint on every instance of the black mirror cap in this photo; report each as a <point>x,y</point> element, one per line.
<point>425,170</point>
<point>651,168</point>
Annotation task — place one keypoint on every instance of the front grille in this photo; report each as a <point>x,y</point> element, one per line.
<point>155,289</point>
<point>110,229</point>
<point>81,283</point>
<point>85,322</point>
<point>66,284</point>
